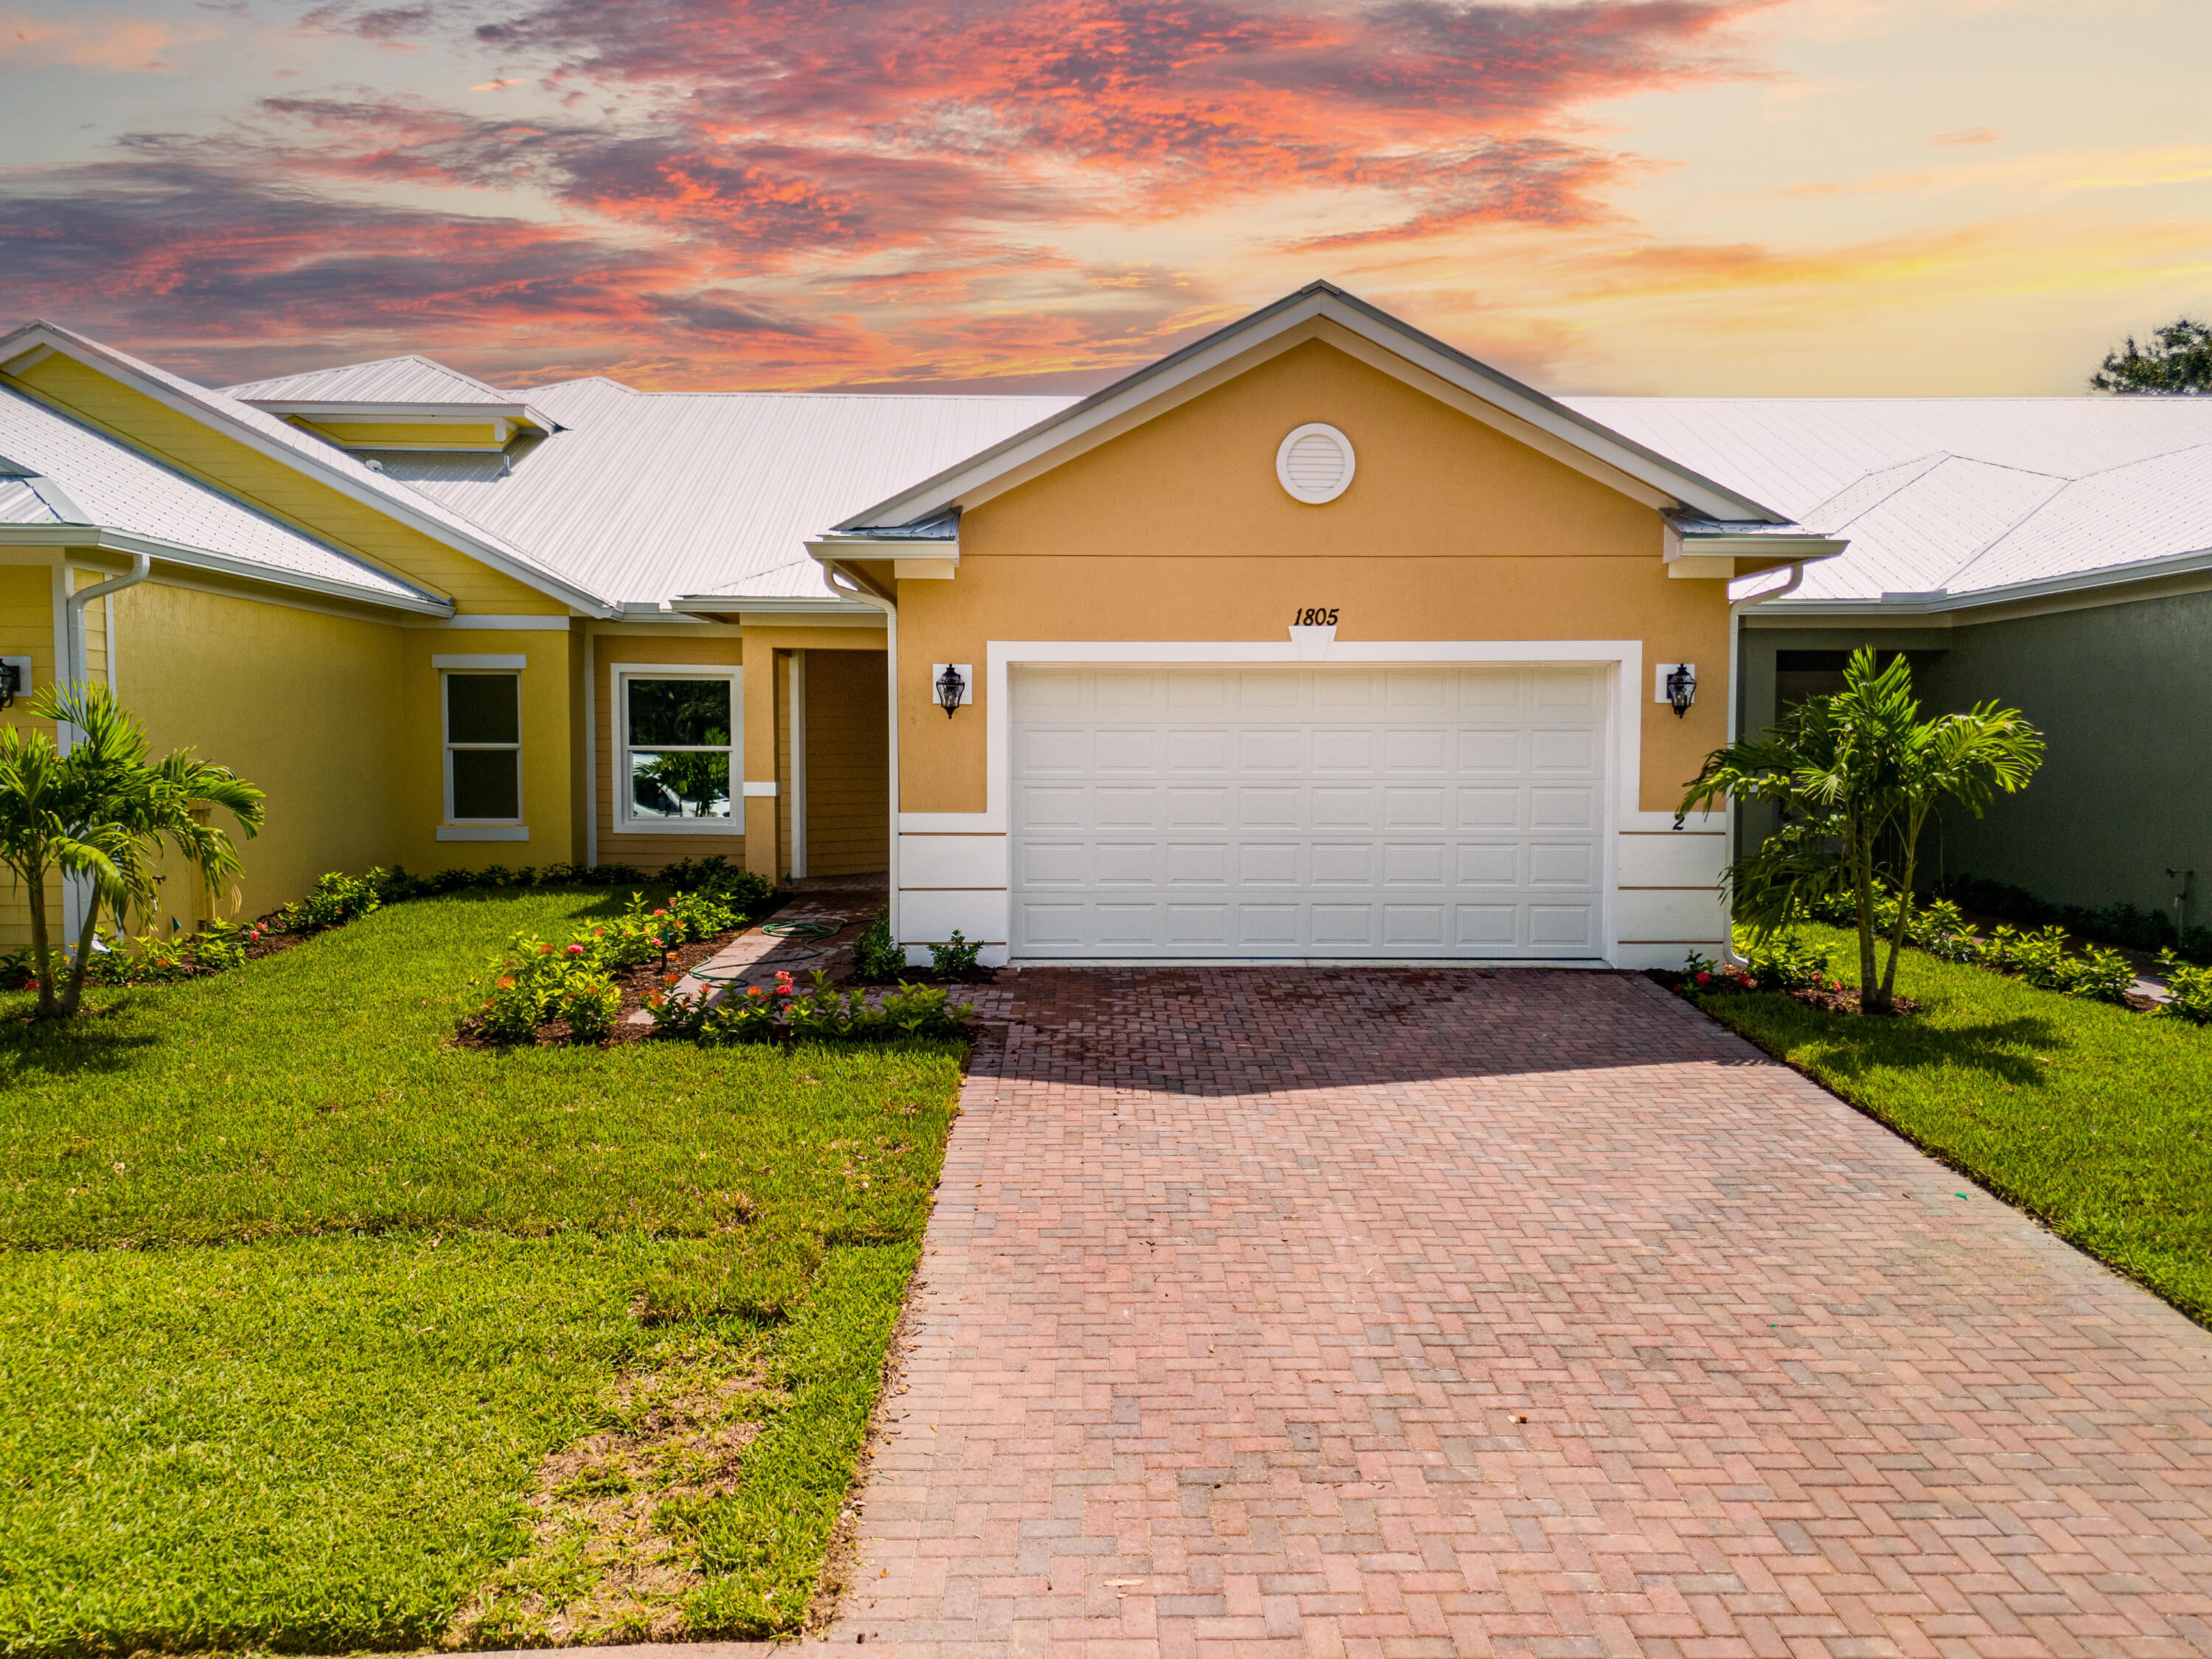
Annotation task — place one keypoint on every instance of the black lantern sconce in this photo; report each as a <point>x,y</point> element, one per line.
<point>1682,687</point>
<point>952,686</point>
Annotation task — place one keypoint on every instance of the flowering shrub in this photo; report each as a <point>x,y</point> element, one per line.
<point>539,982</point>
<point>819,1014</point>
<point>2189,990</point>
<point>1783,962</point>
<point>536,982</point>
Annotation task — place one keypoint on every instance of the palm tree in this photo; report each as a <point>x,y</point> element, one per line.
<point>1857,775</point>
<point>102,812</point>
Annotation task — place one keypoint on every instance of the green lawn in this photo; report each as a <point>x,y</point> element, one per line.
<point>317,1334</point>
<point>2095,1118</point>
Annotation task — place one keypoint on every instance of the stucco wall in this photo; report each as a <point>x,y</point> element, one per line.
<point>1177,530</point>
<point>300,703</point>
<point>2123,694</point>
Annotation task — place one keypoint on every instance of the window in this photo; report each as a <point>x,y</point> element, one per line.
<point>483,748</point>
<point>677,727</point>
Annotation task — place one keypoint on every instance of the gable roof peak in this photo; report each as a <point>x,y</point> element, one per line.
<point>1420,358</point>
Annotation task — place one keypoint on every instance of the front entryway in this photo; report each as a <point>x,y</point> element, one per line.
<point>1336,811</point>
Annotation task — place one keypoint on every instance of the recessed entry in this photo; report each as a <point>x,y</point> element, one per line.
<point>1314,463</point>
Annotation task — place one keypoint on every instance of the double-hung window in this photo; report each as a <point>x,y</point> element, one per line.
<point>483,748</point>
<point>678,747</point>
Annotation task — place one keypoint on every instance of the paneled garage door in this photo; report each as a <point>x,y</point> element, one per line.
<point>1323,812</point>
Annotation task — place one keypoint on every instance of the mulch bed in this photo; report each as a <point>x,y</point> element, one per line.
<point>1846,1001</point>
<point>635,983</point>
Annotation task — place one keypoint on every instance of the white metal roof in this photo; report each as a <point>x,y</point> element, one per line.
<point>410,380</point>
<point>644,497</point>
<point>1955,496</point>
<point>310,453</point>
<point>109,484</point>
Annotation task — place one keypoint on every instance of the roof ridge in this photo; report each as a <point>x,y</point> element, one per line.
<point>1990,546</point>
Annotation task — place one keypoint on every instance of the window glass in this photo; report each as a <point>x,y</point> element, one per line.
<point>481,708</point>
<point>682,783</point>
<point>663,712</point>
<point>486,783</point>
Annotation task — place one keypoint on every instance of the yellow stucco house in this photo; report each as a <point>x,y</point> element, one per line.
<point>1315,640</point>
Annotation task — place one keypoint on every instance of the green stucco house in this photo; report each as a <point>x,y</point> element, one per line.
<point>2055,553</point>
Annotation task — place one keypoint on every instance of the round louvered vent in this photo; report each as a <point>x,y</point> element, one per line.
<point>1314,463</point>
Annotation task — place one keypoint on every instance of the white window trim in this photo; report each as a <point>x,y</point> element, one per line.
<point>619,676</point>
<point>483,667</point>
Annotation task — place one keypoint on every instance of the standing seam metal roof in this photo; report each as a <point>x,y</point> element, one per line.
<point>651,496</point>
<point>116,488</point>
<point>1958,495</point>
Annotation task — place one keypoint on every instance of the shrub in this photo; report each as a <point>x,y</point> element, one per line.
<point>336,899</point>
<point>2041,959</point>
<point>1783,961</point>
<point>2188,990</point>
<point>956,958</point>
<point>875,954</point>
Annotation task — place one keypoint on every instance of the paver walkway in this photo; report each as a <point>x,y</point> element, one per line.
<point>1520,1312</point>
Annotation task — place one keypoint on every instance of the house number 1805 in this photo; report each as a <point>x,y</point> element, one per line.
<point>1314,619</point>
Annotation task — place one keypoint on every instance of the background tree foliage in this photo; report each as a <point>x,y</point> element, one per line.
<point>2178,363</point>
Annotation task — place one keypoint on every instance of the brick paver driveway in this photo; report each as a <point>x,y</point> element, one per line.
<point>1457,1312</point>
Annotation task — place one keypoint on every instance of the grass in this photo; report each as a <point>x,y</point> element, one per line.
<point>296,1304</point>
<point>2094,1119</point>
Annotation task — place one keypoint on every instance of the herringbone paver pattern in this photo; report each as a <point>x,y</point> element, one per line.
<point>1459,1312</point>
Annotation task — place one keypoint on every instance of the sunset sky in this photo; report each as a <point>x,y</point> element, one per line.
<point>1914,197</point>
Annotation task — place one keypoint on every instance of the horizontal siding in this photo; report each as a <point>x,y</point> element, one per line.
<point>848,763</point>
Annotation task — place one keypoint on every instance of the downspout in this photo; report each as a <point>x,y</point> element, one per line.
<point>142,566</point>
<point>74,671</point>
<point>890,608</point>
<point>1736,608</point>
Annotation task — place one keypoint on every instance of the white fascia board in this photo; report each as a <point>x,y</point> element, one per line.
<point>200,558</point>
<point>723,607</point>
<point>1939,602</point>
<point>88,353</point>
<point>1806,548</point>
<point>1379,329</point>
<point>429,414</point>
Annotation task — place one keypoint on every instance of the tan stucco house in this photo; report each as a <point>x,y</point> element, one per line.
<point>1316,641</point>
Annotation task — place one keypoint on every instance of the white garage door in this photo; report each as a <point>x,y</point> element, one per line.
<point>1323,812</point>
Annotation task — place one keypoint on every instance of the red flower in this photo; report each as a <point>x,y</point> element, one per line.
<point>1704,978</point>
<point>575,950</point>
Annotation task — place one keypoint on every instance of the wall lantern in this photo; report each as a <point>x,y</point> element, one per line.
<point>952,686</point>
<point>1682,687</point>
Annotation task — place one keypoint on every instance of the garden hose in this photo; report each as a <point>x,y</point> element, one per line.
<point>802,930</point>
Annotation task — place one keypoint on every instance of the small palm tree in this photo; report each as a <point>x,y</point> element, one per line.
<point>1857,775</point>
<point>102,812</point>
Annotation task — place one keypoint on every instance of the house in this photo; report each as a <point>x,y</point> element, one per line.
<point>1317,640</point>
<point>2054,553</point>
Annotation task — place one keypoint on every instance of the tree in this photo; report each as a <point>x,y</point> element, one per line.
<point>2177,363</point>
<point>101,812</point>
<point>1857,775</point>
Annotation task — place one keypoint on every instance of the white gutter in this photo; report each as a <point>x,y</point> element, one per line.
<point>1940,601</point>
<point>1736,608</point>
<point>198,558</point>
